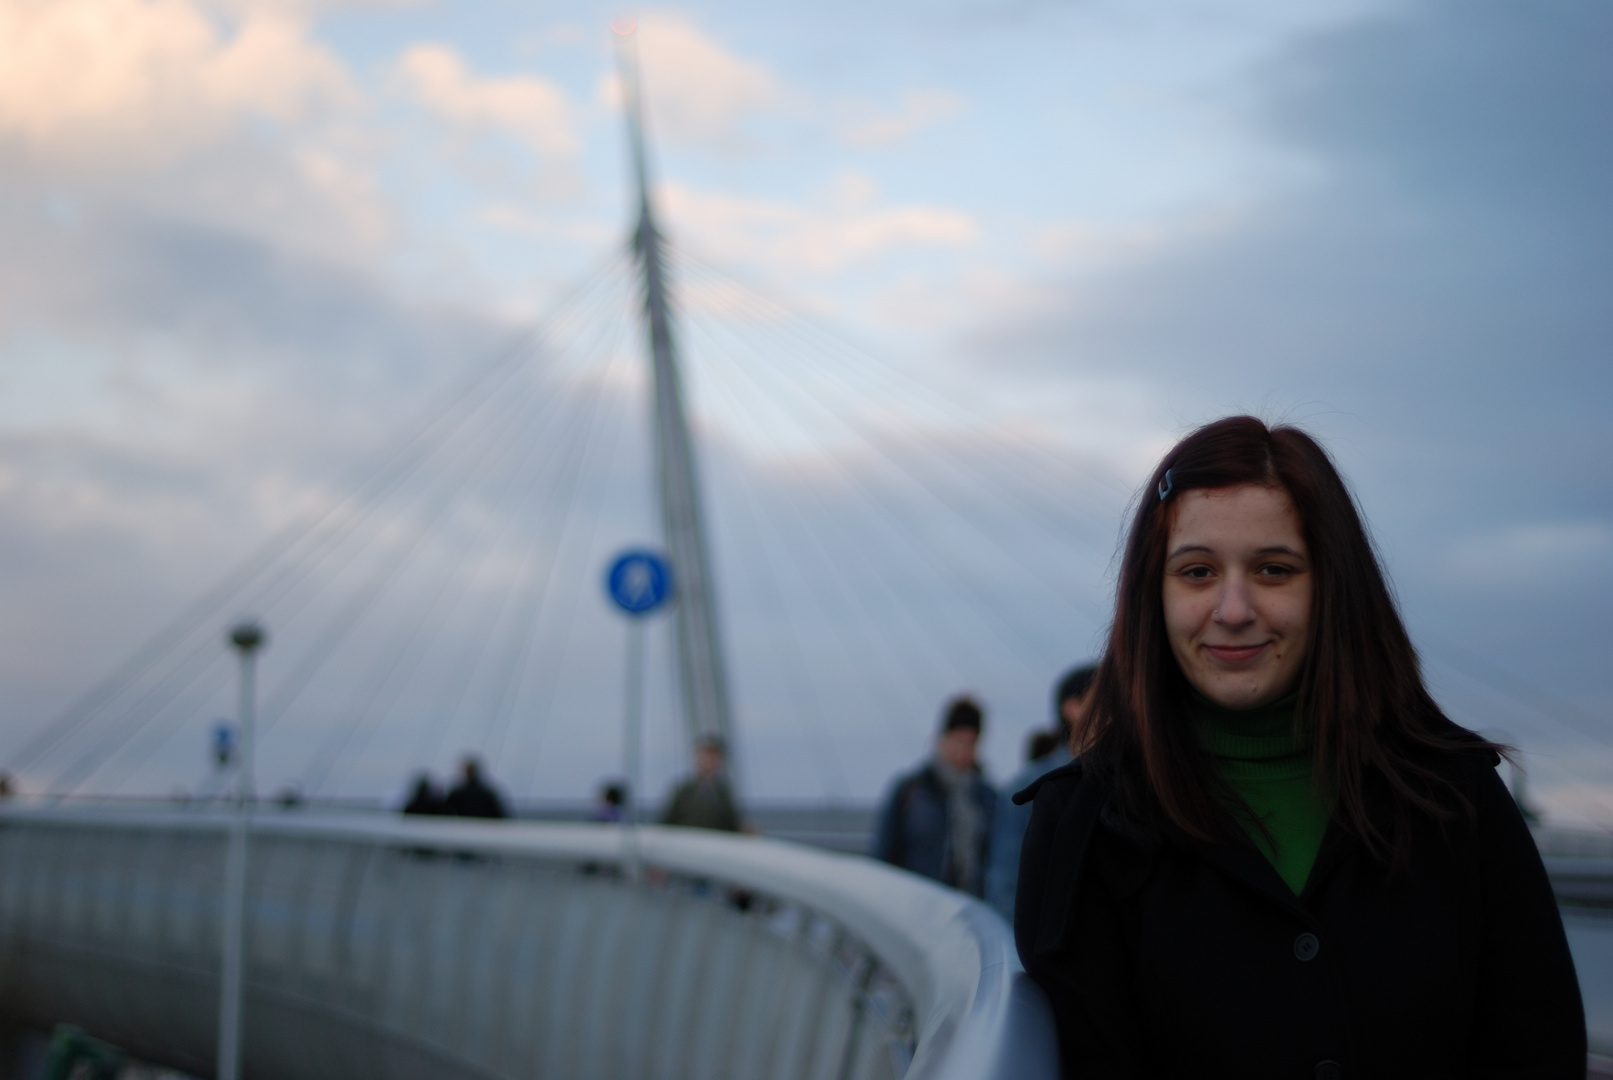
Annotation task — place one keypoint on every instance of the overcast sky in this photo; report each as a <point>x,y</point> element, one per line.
<point>246,246</point>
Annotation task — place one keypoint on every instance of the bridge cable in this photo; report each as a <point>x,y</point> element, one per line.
<point>790,662</point>
<point>525,616</point>
<point>515,669</point>
<point>383,690</point>
<point>835,573</point>
<point>985,602</point>
<point>566,480</point>
<point>457,690</point>
<point>816,335</point>
<point>803,390</point>
<point>464,484</point>
<point>424,438</point>
<point>314,657</point>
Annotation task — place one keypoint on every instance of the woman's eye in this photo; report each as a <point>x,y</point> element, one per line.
<point>1195,573</point>
<point>1276,570</point>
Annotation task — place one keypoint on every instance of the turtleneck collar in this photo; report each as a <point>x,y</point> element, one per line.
<point>1267,734</point>
<point>1264,755</point>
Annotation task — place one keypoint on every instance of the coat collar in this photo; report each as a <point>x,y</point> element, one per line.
<point>1244,864</point>
<point>1074,768</point>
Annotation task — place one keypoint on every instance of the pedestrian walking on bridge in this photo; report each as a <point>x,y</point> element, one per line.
<point>473,796</point>
<point>937,819</point>
<point>426,799</point>
<point>706,799</point>
<point>1008,831</point>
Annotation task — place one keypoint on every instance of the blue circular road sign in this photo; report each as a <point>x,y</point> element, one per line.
<point>223,742</point>
<point>639,581</point>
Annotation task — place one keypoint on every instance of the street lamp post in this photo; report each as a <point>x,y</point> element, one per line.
<point>247,638</point>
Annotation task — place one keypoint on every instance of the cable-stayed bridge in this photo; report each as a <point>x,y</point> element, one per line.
<point>438,602</point>
<point>854,544</point>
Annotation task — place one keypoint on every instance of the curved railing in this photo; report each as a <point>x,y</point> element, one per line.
<point>413,947</point>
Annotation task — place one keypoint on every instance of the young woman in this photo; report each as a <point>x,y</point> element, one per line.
<point>1275,856</point>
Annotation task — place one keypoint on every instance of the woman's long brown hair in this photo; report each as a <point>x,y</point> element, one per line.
<point>1361,689</point>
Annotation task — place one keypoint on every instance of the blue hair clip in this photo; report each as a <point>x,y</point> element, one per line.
<point>1165,486</point>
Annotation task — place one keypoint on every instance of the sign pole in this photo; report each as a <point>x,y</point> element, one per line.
<point>638,582</point>
<point>633,744</point>
<point>247,637</point>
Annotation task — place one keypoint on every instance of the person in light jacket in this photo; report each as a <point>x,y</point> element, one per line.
<point>1275,856</point>
<point>1008,830</point>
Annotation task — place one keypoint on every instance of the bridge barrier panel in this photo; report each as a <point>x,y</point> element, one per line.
<point>404,948</point>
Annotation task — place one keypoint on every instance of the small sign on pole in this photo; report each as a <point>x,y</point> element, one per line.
<point>223,743</point>
<point>638,582</point>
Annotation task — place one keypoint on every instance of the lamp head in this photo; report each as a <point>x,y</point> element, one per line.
<point>247,636</point>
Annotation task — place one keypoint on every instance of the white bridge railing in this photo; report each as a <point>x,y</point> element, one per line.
<point>404,948</point>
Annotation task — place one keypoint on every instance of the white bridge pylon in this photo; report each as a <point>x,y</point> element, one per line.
<point>701,671</point>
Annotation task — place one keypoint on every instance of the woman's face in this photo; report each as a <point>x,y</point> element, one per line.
<point>1237,593</point>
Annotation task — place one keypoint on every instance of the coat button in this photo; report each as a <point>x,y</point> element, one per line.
<point>1329,1070</point>
<point>1306,946</point>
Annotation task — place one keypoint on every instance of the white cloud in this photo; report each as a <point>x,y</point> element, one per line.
<point>523,106</point>
<point>696,90</point>
<point>349,191</point>
<point>920,301</point>
<point>868,127</point>
<point>504,215</point>
<point>853,190</point>
<point>99,82</point>
<point>1087,242</point>
<point>819,238</point>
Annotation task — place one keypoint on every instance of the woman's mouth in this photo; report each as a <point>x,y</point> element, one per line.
<point>1235,654</point>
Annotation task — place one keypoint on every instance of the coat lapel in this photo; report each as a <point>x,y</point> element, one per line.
<point>1073,834</point>
<point>1337,845</point>
<point>1244,864</point>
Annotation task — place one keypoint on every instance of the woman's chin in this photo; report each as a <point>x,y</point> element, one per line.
<point>1240,693</point>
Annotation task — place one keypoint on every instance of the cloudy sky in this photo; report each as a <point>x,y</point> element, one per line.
<point>954,274</point>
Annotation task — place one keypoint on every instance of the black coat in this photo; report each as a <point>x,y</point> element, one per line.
<point>473,798</point>
<point>1167,957</point>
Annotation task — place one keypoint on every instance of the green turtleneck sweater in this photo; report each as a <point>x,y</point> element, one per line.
<point>1262,757</point>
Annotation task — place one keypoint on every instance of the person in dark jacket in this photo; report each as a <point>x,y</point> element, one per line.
<point>1008,831</point>
<point>937,820</point>
<point>426,798</point>
<point>473,796</point>
<point>1274,855</point>
<point>706,799</point>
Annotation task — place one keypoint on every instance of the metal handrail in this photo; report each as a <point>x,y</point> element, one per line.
<point>975,1013</point>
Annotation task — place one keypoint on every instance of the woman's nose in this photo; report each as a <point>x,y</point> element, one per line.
<point>1235,607</point>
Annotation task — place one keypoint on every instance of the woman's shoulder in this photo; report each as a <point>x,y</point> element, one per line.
<point>1078,844</point>
<point>1065,806</point>
<point>1463,759</point>
<point>1468,752</point>
<point>1060,782</point>
<point>1465,797</point>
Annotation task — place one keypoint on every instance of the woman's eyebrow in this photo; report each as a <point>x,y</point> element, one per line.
<point>1280,549</point>
<point>1187,547</point>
